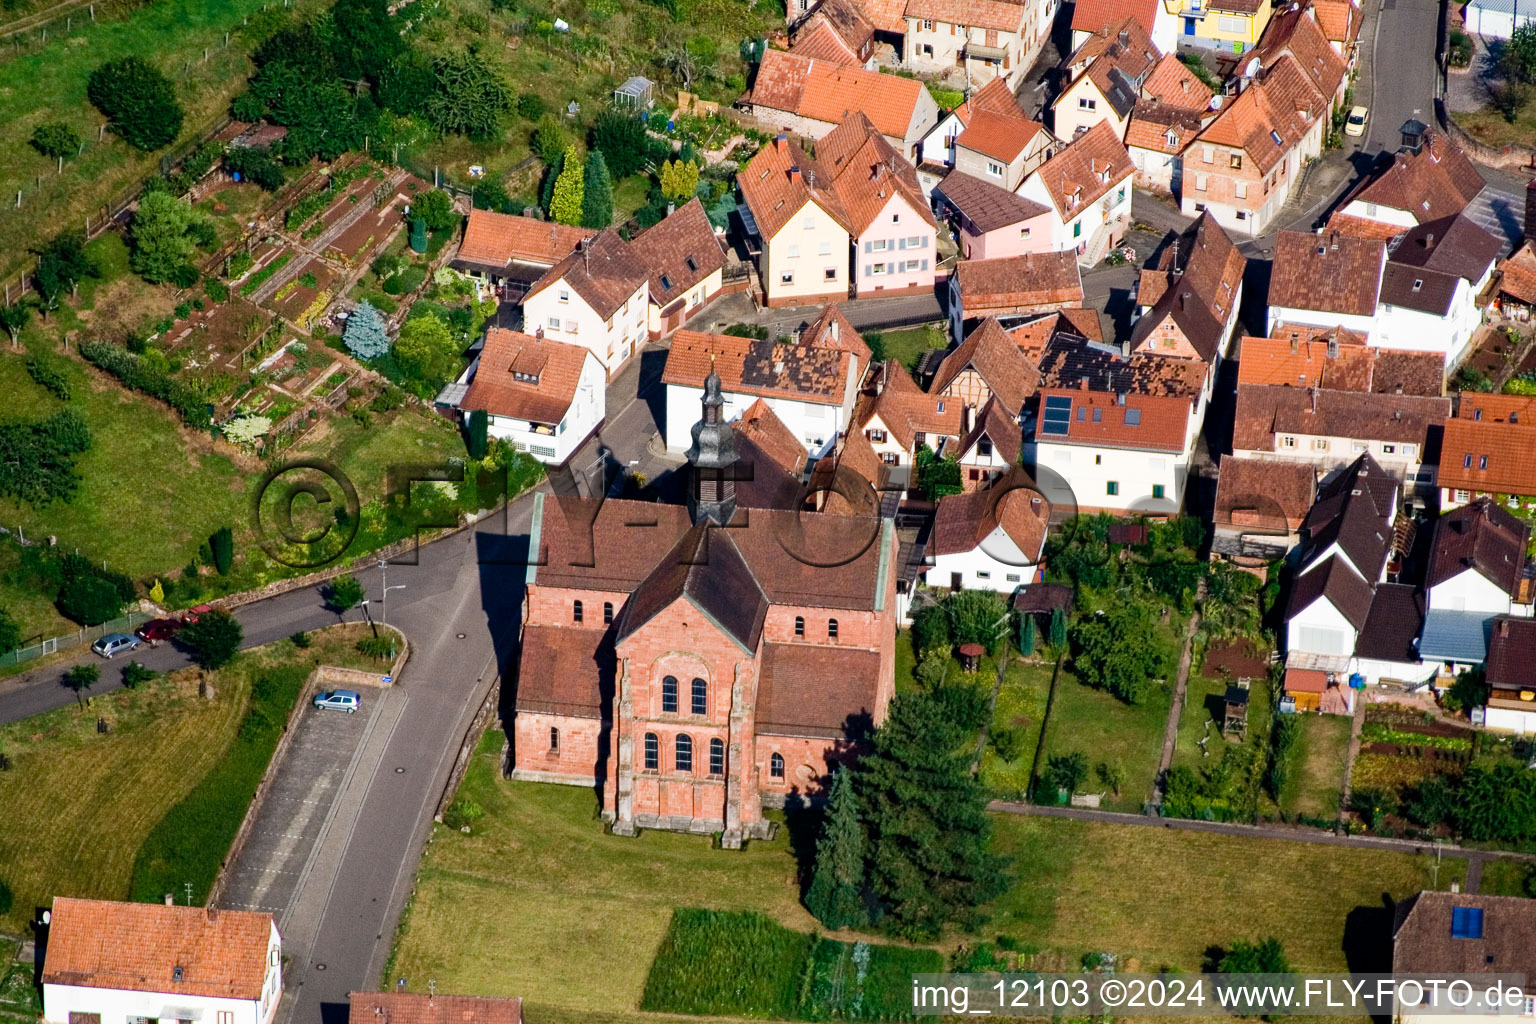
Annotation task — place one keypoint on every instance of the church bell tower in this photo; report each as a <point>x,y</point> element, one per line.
<point>712,458</point>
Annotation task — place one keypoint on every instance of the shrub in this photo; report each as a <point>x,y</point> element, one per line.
<point>89,600</point>
<point>49,377</point>
<point>192,840</point>
<point>55,139</point>
<point>7,899</point>
<point>407,280</point>
<point>137,373</point>
<point>299,639</point>
<point>343,593</point>
<point>530,105</point>
<point>1008,743</point>
<point>136,672</point>
<point>82,677</point>
<point>380,647</point>
<point>138,101</point>
<point>222,544</point>
<point>462,812</point>
<point>1283,737</point>
<point>10,632</point>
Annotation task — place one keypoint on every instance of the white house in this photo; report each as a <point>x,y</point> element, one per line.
<point>110,962</point>
<point>513,252</point>
<point>544,396</point>
<point>1435,271</point>
<point>988,39</point>
<point>811,385</point>
<point>1088,187</point>
<point>1326,280</point>
<point>597,297</point>
<point>1112,451</point>
<point>686,263</point>
<point>1511,674</point>
<point>1477,571</point>
<point>989,539</point>
<point>1433,181</point>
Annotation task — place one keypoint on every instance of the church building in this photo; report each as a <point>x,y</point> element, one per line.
<point>698,663</point>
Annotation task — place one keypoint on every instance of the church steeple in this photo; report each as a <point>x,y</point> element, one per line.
<point>712,457</point>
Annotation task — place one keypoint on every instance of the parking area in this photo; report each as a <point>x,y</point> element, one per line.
<point>289,824</point>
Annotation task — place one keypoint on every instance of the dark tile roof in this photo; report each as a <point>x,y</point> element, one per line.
<point>763,480</point>
<point>1031,280</point>
<point>1201,299</point>
<point>1337,583</point>
<point>1480,536</point>
<point>1403,372</point>
<point>984,204</point>
<point>759,366</point>
<point>1392,629</point>
<point>706,567</point>
<point>1042,598</point>
<point>1333,273</point>
<point>566,671</point>
<point>1262,412</point>
<point>963,521</point>
<point>679,252</point>
<point>996,425</point>
<point>1438,181</point>
<point>816,690</point>
<point>1510,665</point>
<point>1422,942</point>
<point>1453,245</point>
<point>1427,291</point>
<point>1356,510</point>
<point>839,482</point>
<point>1068,361</point>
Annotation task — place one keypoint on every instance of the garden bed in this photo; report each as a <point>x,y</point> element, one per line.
<point>304,296</point>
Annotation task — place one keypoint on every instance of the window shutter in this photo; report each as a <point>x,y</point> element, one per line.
<point>925,241</point>
<point>869,246</point>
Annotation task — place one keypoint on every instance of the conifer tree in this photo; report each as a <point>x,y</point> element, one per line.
<point>547,185</point>
<point>836,895</point>
<point>1027,638</point>
<point>1058,635</point>
<point>565,205</point>
<point>597,200</point>
<point>365,335</point>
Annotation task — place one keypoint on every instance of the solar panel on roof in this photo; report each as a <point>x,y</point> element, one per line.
<point>1058,415</point>
<point>1466,922</point>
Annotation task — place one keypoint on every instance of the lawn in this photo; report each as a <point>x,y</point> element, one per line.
<point>1505,877</point>
<point>49,85</point>
<point>1489,127</point>
<point>1317,776</point>
<point>1164,896</point>
<point>908,345</point>
<point>1106,729</point>
<point>1020,707</point>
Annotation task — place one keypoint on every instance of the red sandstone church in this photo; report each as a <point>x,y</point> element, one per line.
<point>696,672</point>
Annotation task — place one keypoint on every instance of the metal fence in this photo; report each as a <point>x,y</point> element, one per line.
<point>126,624</point>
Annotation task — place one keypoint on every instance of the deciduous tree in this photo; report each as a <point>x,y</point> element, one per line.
<point>56,139</point>
<point>426,349</point>
<point>14,319</point>
<point>214,639</point>
<point>435,208</point>
<point>1119,651</point>
<point>138,101</point>
<point>977,617</point>
<point>344,593</point>
<point>162,236</point>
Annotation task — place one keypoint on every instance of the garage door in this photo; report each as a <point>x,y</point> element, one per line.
<point>1316,640</point>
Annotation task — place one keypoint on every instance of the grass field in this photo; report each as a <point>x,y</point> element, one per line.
<point>1488,126</point>
<point>1164,896</point>
<point>1020,706</point>
<point>49,85</point>
<point>909,345</point>
<point>1505,877</point>
<point>1317,776</point>
<point>1105,728</point>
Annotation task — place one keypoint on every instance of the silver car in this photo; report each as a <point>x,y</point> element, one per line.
<point>339,700</point>
<point>115,643</point>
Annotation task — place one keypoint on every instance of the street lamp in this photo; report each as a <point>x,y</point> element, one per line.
<point>384,589</point>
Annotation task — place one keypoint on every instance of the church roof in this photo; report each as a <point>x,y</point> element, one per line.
<point>816,690</point>
<point>706,568</point>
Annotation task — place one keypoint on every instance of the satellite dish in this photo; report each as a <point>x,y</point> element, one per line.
<point>1216,101</point>
<point>1252,68</point>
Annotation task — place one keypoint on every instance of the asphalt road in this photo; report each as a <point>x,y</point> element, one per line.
<point>1400,61</point>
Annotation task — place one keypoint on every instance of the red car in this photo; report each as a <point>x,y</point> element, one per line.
<point>156,630</point>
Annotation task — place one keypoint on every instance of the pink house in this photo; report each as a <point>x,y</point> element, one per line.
<point>991,222</point>
<point>893,233</point>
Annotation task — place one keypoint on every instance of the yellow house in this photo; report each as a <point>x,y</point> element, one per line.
<point>1232,26</point>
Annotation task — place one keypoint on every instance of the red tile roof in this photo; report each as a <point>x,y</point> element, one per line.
<point>679,251</point>
<point>759,424</point>
<point>1519,275</point>
<point>824,91</point>
<point>1293,32</point>
<point>555,366</point>
<point>1105,423</point>
<point>1305,364</point>
<point>1339,19</point>
<point>834,330</point>
<point>1330,273</point>
<point>140,947</point>
<point>565,671</point>
<point>1262,412</point>
<point>804,372</point>
<point>1091,15</point>
<point>963,521</point>
<point>1264,494</point>
<point>904,408</point>
<point>1001,15</point>
<point>1436,182</point>
<point>496,239</point>
<point>1199,296</point>
<point>1161,128</point>
<point>1091,165</point>
<point>995,424</point>
<point>1510,451</point>
<point>1018,283</point>
<point>835,30</point>
<point>1490,408</point>
<point>604,271</point>
<point>868,173</point>
<point>992,354</point>
<point>820,41</point>
<point>1272,116</point>
<point>887,15</point>
<point>422,1008</point>
<point>1172,84</point>
<point>830,482</point>
<point>998,135</point>
<point>816,690</point>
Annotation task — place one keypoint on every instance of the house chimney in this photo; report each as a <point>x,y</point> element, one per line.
<point>1429,239</point>
<point>170,899</point>
<point>1294,344</point>
<point>1530,210</point>
<point>794,173</point>
<point>781,142</point>
<point>1314,398</point>
<point>1125,38</point>
<point>1333,347</point>
<point>834,328</point>
<point>1333,241</point>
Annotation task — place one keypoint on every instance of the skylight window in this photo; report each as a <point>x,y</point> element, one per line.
<point>1466,922</point>
<point>1133,417</point>
<point>1057,417</point>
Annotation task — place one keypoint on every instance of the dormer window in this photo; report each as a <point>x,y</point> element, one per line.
<point>525,378</point>
<point>177,973</point>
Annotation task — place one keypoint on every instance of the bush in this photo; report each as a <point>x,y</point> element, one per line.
<point>194,837</point>
<point>56,139</point>
<point>258,166</point>
<point>222,546</point>
<point>407,280</point>
<point>380,647</point>
<point>530,105</point>
<point>300,640</point>
<point>89,600</point>
<point>49,377</point>
<point>10,632</point>
<point>1008,743</point>
<point>7,899</point>
<point>137,373</point>
<point>136,672</point>
<point>1283,737</point>
<point>82,677</point>
<point>462,812</point>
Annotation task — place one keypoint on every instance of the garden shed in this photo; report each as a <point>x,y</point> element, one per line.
<point>637,92</point>
<point>1235,708</point>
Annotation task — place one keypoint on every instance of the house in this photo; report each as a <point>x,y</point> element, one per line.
<point>1337,359</point>
<point>544,396</point>
<point>897,417</point>
<point>1436,180</point>
<point>1477,571</point>
<point>1090,16</point>
<point>1429,288</point>
<point>1087,186</point>
<point>1295,32</point>
<point>993,445</point>
<point>512,252</point>
<point>1515,295</point>
<point>1243,165</point>
<point>811,385</point>
<point>1006,145</point>
<point>1511,675</point>
<point>810,97</point>
<point>1329,428</point>
<point>597,297</point>
<point>783,661</point>
<point>798,225</point>
<point>892,229</point>
<point>986,39</point>
<point>1327,280</point>
<point>1032,283</point>
<point>836,31</point>
<point>1189,300</point>
<point>1114,63</point>
<point>1495,19</point>
<point>989,539</point>
<point>131,961</point>
<point>1487,450</point>
<point>432,1008</point>
<point>1449,934</point>
<point>1111,451</point>
<point>1260,506</point>
<point>1173,108</point>
<point>986,367</point>
<point>1227,26</point>
<point>852,480</point>
<point>1340,21</point>
<point>991,222</point>
<point>686,264</point>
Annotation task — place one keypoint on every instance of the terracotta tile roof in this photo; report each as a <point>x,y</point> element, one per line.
<point>706,568</point>
<point>995,424</point>
<point>984,204</point>
<point>1452,245</point>
<point>835,30</point>
<point>856,456</point>
<point>1034,335</point>
<point>421,1008</point>
<point>817,690</point>
<point>1123,63</point>
<point>140,947</point>
<point>868,173</point>
<point>1263,494</point>
<point>1392,628</point>
<point>1360,227</point>
<point>507,356</point>
<point>1519,275</point>
<point>1510,665</point>
<point>1508,448</point>
<point>999,136</point>
<point>1438,181</point>
<point>1293,32</point>
<point>824,91</point>
<point>1287,331</point>
<point>1480,536</point>
<point>1492,408</point>
<point>496,239</point>
<point>1002,15</point>
<point>1422,941</point>
<point>1083,322</point>
<point>1091,15</point>
<point>996,96</point>
<point>1161,128</point>
<point>1305,680</point>
<point>1270,117</point>
<point>759,424</point>
<point>1091,165</point>
<point>679,251</point>
<point>820,41</point>
<point>1105,39</point>
<point>566,671</point>
<point>1073,362</point>
<point>1172,84</point>
<point>1337,583</point>
<point>887,15</point>
<point>1143,423</point>
<point>1035,279</point>
<point>1418,288</point>
<point>993,355</point>
<point>778,182</point>
<point>1307,364</point>
<point>753,366</point>
<point>963,521</point>
<point>604,271</point>
<point>1262,412</point>
<point>1201,299</point>
<point>834,330</point>
<point>1329,273</point>
<point>1405,372</point>
<point>1339,19</point>
<point>904,408</point>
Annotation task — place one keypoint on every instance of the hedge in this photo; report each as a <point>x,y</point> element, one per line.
<point>743,964</point>
<point>192,840</point>
<point>139,375</point>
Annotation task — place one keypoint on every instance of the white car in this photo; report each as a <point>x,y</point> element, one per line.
<point>339,700</point>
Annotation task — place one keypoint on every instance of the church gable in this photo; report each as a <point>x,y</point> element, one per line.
<point>706,571</point>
